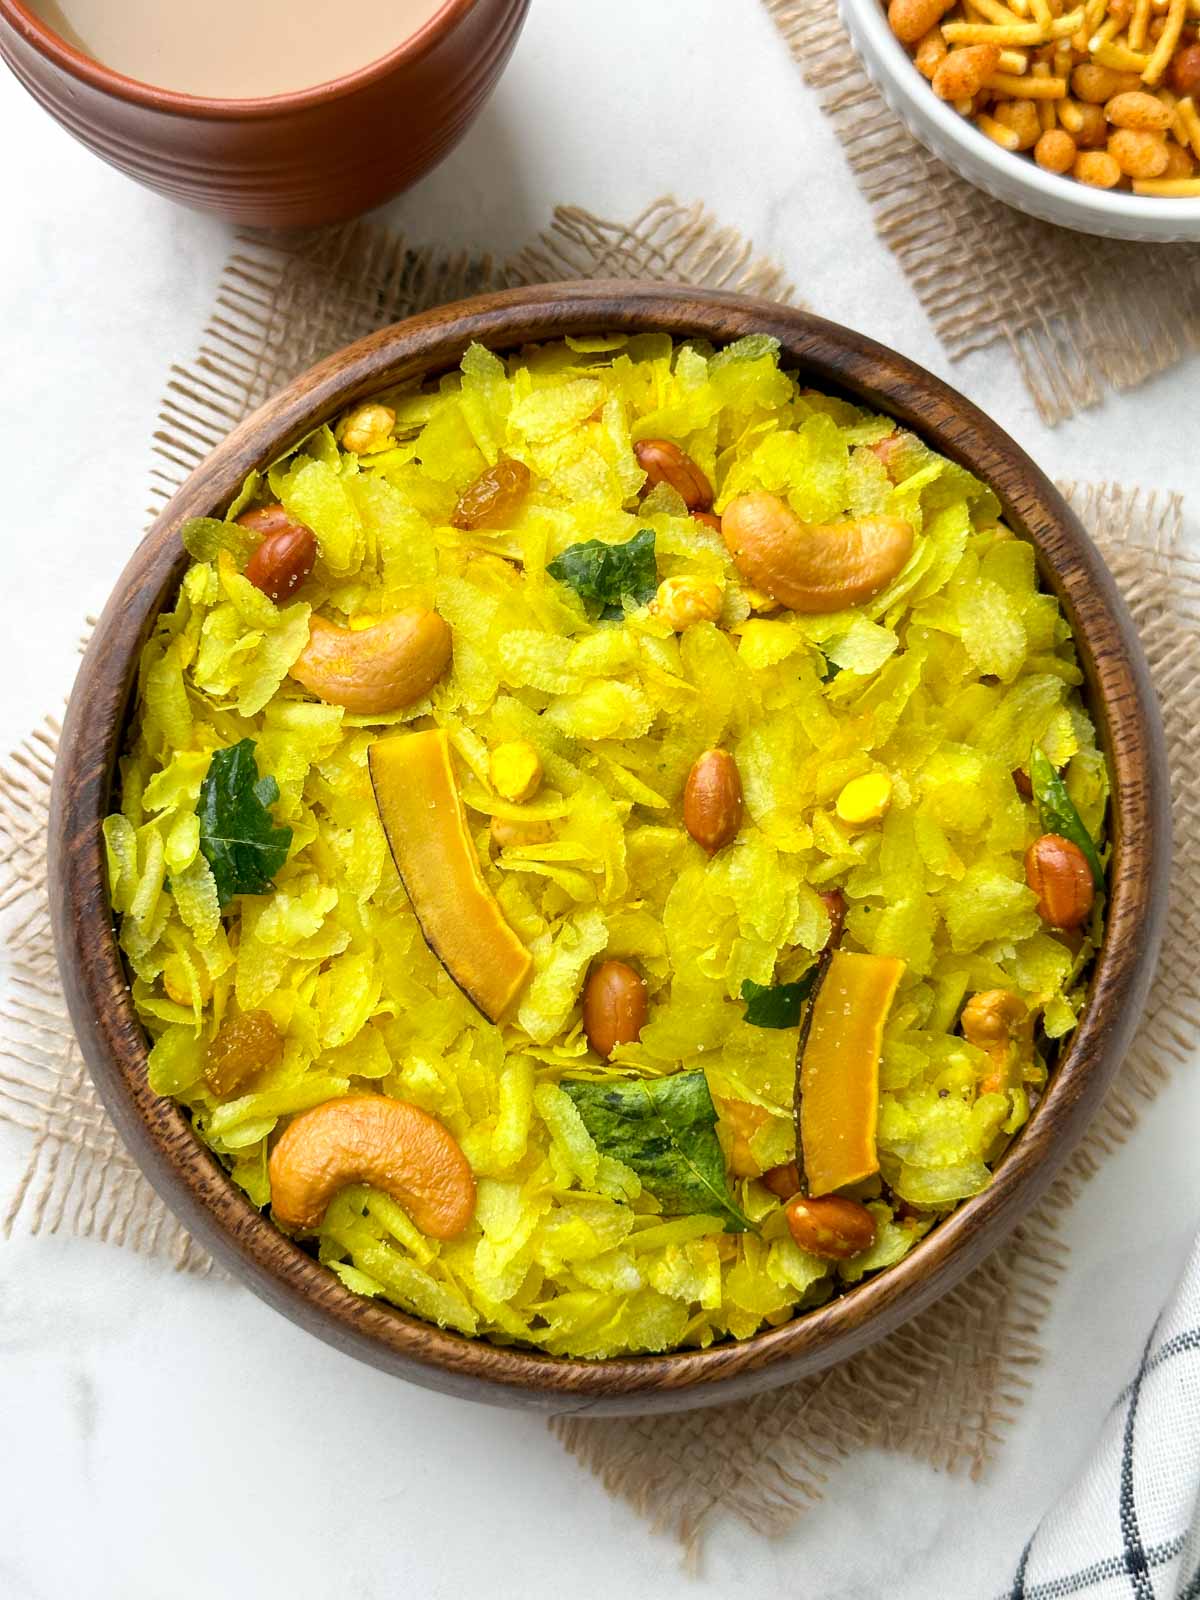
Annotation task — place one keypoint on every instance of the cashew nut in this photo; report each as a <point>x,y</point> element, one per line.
<point>812,567</point>
<point>999,1023</point>
<point>389,1144</point>
<point>374,669</point>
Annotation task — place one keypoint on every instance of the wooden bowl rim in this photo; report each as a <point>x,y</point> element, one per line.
<point>196,1187</point>
<point>214,108</point>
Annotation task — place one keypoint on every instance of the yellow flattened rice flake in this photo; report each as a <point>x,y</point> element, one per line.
<point>167,711</point>
<point>863,648</point>
<point>176,1061</point>
<point>120,845</point>
<point>575,1144</point>
<point>604,709</point>
<point>313,493</point>
<point>195,894</point>
<point>554,410</point>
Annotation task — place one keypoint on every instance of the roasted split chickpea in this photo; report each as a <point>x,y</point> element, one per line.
<point>368,428</point>
<point>1097,169</point>
<point>1096,85</point>
<point>1136,109</point>
<point>680,602</point>
<point>1055,151</point>
<point>1138,154</point>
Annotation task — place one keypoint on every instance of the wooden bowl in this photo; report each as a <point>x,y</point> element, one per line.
<point>189,1178</point>
<point>291,160</point>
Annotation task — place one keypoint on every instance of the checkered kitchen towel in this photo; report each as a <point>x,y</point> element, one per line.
<point>1129,1527</point>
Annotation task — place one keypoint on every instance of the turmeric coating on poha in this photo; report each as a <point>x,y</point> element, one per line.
<point>635,1199</point>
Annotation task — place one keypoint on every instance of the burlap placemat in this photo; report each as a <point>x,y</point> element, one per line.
<point>944,1387</point>
<point>1081,315</point>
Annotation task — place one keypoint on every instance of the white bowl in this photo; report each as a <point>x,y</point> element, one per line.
<point>1014,179</point>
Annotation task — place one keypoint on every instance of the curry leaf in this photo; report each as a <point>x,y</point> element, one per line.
<point>238,835</point>
<point>602,574</point>
<point>665,1129</point>
<point>1057,813</point>
<point>777,1005</point>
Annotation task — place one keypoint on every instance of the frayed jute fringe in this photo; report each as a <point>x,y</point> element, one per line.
<point>1081,315</point>
<point>945,1387</point>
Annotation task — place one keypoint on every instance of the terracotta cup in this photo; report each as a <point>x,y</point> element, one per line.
<point>292,160</point>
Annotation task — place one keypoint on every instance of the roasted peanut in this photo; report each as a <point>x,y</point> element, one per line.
<point>834,902</point>
<point>374,669</point>
<point>368,428</point>
<point>682,601</point>
<point>909,19</point>
<point>515,769</point>
<point>664,462</point>
<point>832,1227</point>
<point>712,800</point>
<point>709,519</point>
<point>243,1047</point>
<point>1137,109</point>
<point>1138,154</point>
<point>812,568</point>
<point>493,499</point>
<point>1185,70</point>
<point>964,72</point>
<point>1097,169</point>
<point>931,51</point>
<point>1023,785</point>
<point>1057,871</point>
<point>784,1180</point>
<point>1055,150</point>
<point>998,1022</point>
<point>507,833</point>
<point>738,1122</point>
<point>1097,85</point>
<point>614,1007</point>
<point>283,561</point>
<point>371,1139</point>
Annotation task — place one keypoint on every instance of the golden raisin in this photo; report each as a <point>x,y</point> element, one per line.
<point>243,1047</point>
<point>494,498</point>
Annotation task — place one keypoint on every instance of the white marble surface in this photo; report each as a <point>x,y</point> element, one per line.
<point>166,1438</point>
